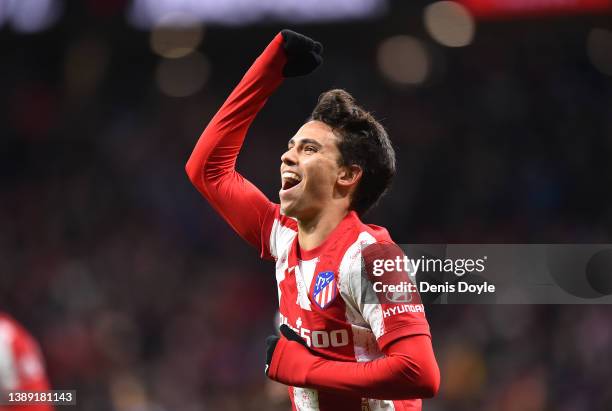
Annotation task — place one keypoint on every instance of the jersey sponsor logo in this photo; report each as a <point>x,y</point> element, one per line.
<point>325,289</point>
<point>403,308</point>
<point>398,297</point>
<point>318,338</point>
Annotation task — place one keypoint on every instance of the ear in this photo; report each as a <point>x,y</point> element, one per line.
<point>349,175</point>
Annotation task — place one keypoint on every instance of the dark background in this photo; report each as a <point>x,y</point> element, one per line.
<point>142,298</point>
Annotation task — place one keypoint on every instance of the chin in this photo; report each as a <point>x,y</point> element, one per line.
<point>289,204</point>
<point>292,208</point>
<point>287,210</point>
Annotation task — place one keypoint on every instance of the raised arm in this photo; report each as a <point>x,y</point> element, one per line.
<point>211,167</point>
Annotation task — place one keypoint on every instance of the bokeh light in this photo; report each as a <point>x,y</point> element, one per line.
<point>4,9</point>
<point>184,76</point>
<point>146,13</point>
<point>30,16</point>
<point>599,49</point>
<point>404,60</point>
<point>465,371</point>
<point>449,23</point>
<point>176,35</point>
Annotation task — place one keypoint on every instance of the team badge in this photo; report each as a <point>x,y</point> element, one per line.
<point>324,289</point>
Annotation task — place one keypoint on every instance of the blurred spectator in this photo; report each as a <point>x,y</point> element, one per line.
<point>21,365</point>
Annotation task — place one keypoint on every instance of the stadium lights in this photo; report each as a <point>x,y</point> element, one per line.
<point>145,14</point>
<point>176,36</point>
<point>182,77</point>
<point>404,60</point>
<point>449,23</point>
<point>30,16</point>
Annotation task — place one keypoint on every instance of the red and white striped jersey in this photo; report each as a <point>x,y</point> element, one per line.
<point>320,291</point>
<point>320,297</point>
<point>21,363</point>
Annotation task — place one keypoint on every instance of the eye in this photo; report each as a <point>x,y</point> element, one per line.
<point>310,149</point>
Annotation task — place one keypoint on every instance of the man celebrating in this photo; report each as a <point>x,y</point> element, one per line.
<point>337,351</point>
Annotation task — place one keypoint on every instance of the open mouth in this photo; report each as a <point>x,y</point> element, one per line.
<point>290,180</point>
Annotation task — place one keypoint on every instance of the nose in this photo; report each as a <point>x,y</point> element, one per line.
<point>289,157</point>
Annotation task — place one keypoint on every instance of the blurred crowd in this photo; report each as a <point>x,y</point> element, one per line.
<point>143,299</point>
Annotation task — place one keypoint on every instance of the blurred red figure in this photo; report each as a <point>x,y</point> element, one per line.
<point>21,364</point>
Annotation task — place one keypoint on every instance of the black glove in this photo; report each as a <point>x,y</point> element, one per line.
<point>272,340</point>
<point>303,54</point>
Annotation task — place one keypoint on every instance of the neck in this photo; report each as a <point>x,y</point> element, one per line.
<point>313,232</point>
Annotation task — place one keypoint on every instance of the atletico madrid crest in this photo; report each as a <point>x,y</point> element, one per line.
<point>325,289</point>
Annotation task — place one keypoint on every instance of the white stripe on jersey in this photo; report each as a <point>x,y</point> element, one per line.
<point>381,405</point>
<point>305,399</point>
<point>364,338</point>
<point>307,269</point>
<point>302,286</point>
<point>281,267</point>
<point>369,316</point>
<point>282,236</point>
<point>8,373</point>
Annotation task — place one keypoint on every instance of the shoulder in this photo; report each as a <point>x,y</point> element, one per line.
<point>366,243</point>
<point>8,327</point>
<point>364,239</point>
<point>381,234</point>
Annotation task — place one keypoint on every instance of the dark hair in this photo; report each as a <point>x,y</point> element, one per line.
<point>362,141</point>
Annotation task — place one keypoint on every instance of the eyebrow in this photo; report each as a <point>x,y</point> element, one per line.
<point>306,141</point>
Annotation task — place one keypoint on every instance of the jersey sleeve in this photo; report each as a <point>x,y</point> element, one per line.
<point>407,371</point>
<point>391,313</point>
<point>211,166</point>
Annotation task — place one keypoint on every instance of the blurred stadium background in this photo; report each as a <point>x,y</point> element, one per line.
<point>142,298</point>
